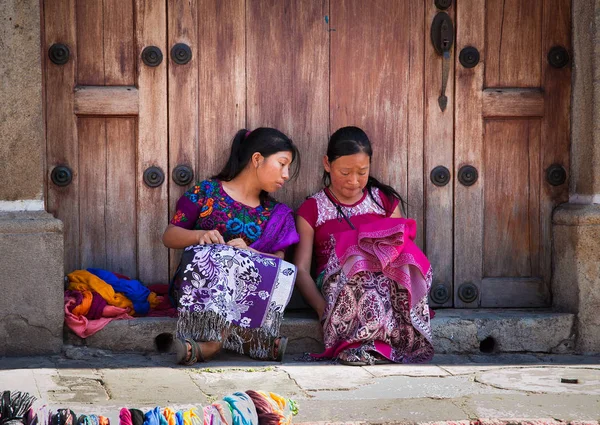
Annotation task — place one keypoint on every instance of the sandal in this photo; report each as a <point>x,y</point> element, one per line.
<point>279,346</point>
<point>352,358</point>
<point>185,358</point>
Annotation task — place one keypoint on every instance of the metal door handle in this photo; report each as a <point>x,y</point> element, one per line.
<point>442,38</point>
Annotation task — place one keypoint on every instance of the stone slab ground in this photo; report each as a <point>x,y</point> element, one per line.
<point>466,389</point>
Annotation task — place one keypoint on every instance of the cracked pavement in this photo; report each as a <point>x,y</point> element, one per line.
<point>451,387</point>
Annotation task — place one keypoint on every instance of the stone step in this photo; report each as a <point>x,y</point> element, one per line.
<point>455,331</point>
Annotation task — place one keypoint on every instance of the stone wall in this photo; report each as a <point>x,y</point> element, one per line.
<point>576,233</point>
<point>31,240</point>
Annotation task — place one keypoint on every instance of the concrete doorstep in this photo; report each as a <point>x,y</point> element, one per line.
<point>454,332</point>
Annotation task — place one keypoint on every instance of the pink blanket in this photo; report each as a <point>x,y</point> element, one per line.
<point>386,246</point>
<point>83,327</point>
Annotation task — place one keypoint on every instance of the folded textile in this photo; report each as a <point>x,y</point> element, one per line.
<point>165,308</point>
<point>86,302</point>
<point>125,417</point>
<point>242,409</point>
<point>131,288</point>
<point>84,327</point>
<point>82,280</point>
<point>272,409</point>
<point>137,416</point>
<point>191,417</point>
<point>169,415</point>
<point>77,296</point>
<point>97,308</point>
<point>155,417</point>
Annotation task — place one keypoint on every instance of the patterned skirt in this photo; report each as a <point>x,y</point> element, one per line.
<point>232,295</point>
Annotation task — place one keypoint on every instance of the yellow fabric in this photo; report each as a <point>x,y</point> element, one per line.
<point>82,280</point>
<point>280,406</point>
<point>154,299</point>
<point>83,308</point>
<point>189,416</point>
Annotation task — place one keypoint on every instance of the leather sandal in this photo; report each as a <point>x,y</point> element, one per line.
<point>183,357</point>
<point>279,347</point>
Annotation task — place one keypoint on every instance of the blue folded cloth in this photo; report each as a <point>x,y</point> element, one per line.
<point>132,289</point>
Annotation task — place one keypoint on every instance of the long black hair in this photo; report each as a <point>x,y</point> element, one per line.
<point>264,140</point>
<point>352,140</point>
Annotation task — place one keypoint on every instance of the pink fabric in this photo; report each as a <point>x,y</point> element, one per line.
<point>386,245</point>
<point>378,254</point>
<point>83,327</point>
<point>322,246</point>
<point>125,417</point>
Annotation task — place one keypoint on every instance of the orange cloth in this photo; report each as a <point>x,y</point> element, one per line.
<point>154,299</point>
<point>169,415</point>
<point>82,280</point>
<point>83,308</point>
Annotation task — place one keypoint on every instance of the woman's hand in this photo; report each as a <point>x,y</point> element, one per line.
<point>238,243</point>
<point>206,237</point>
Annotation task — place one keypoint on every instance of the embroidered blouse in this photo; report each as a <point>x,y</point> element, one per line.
<point>206,206</point>
<point>323,216</point>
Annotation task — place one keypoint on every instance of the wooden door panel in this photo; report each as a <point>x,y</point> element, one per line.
<point>221,81</point>
<point>92,180</point>
<point>511,126</point>
<point>183,100</point>
<point>119,42</point>
<point>287,81</point>
<point>94,130</point>
<point>90,43</point>
<point>152,142</point>
<point>370,80</point>
<point>61,127</point>
<point>439,151</point>
<point>511,200</point>
<point>121,223</point>
<point>513,43</point>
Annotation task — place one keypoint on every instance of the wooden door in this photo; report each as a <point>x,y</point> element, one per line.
<point>512,126</point>
<point>106,122</point>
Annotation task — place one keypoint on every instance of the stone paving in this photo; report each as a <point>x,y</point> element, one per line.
<point>560,388</point>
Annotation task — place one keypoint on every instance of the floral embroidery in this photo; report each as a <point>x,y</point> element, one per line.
<point>207,208</point>
<point>179,217</point>
<point>212,208</point>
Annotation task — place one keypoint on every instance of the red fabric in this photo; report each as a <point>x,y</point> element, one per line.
<point>165,308</point>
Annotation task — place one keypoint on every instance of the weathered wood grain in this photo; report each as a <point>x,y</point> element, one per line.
<point>183,99</point>
<point>92,185</point>
<point>506,230</point>
<point>468,150</point>
<point>513,43</point>
<point>118,36</point>
<point>438,150</point>
<point>498,103</point>
<point>288,81</point>
<point>90,42</point>
<point>556,128</point>
<point>221,81</point>
<point>370,80</point>
<point>61,128</point>
<point>152,143</point>
<point>106,101</point>
<point>416,103</point>
<point>121,213</point>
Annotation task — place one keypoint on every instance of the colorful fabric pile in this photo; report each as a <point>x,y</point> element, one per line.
<point>240,408</point>
<point>94,297</point>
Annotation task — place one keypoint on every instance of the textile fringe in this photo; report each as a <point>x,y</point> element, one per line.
<point>210,326</point>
